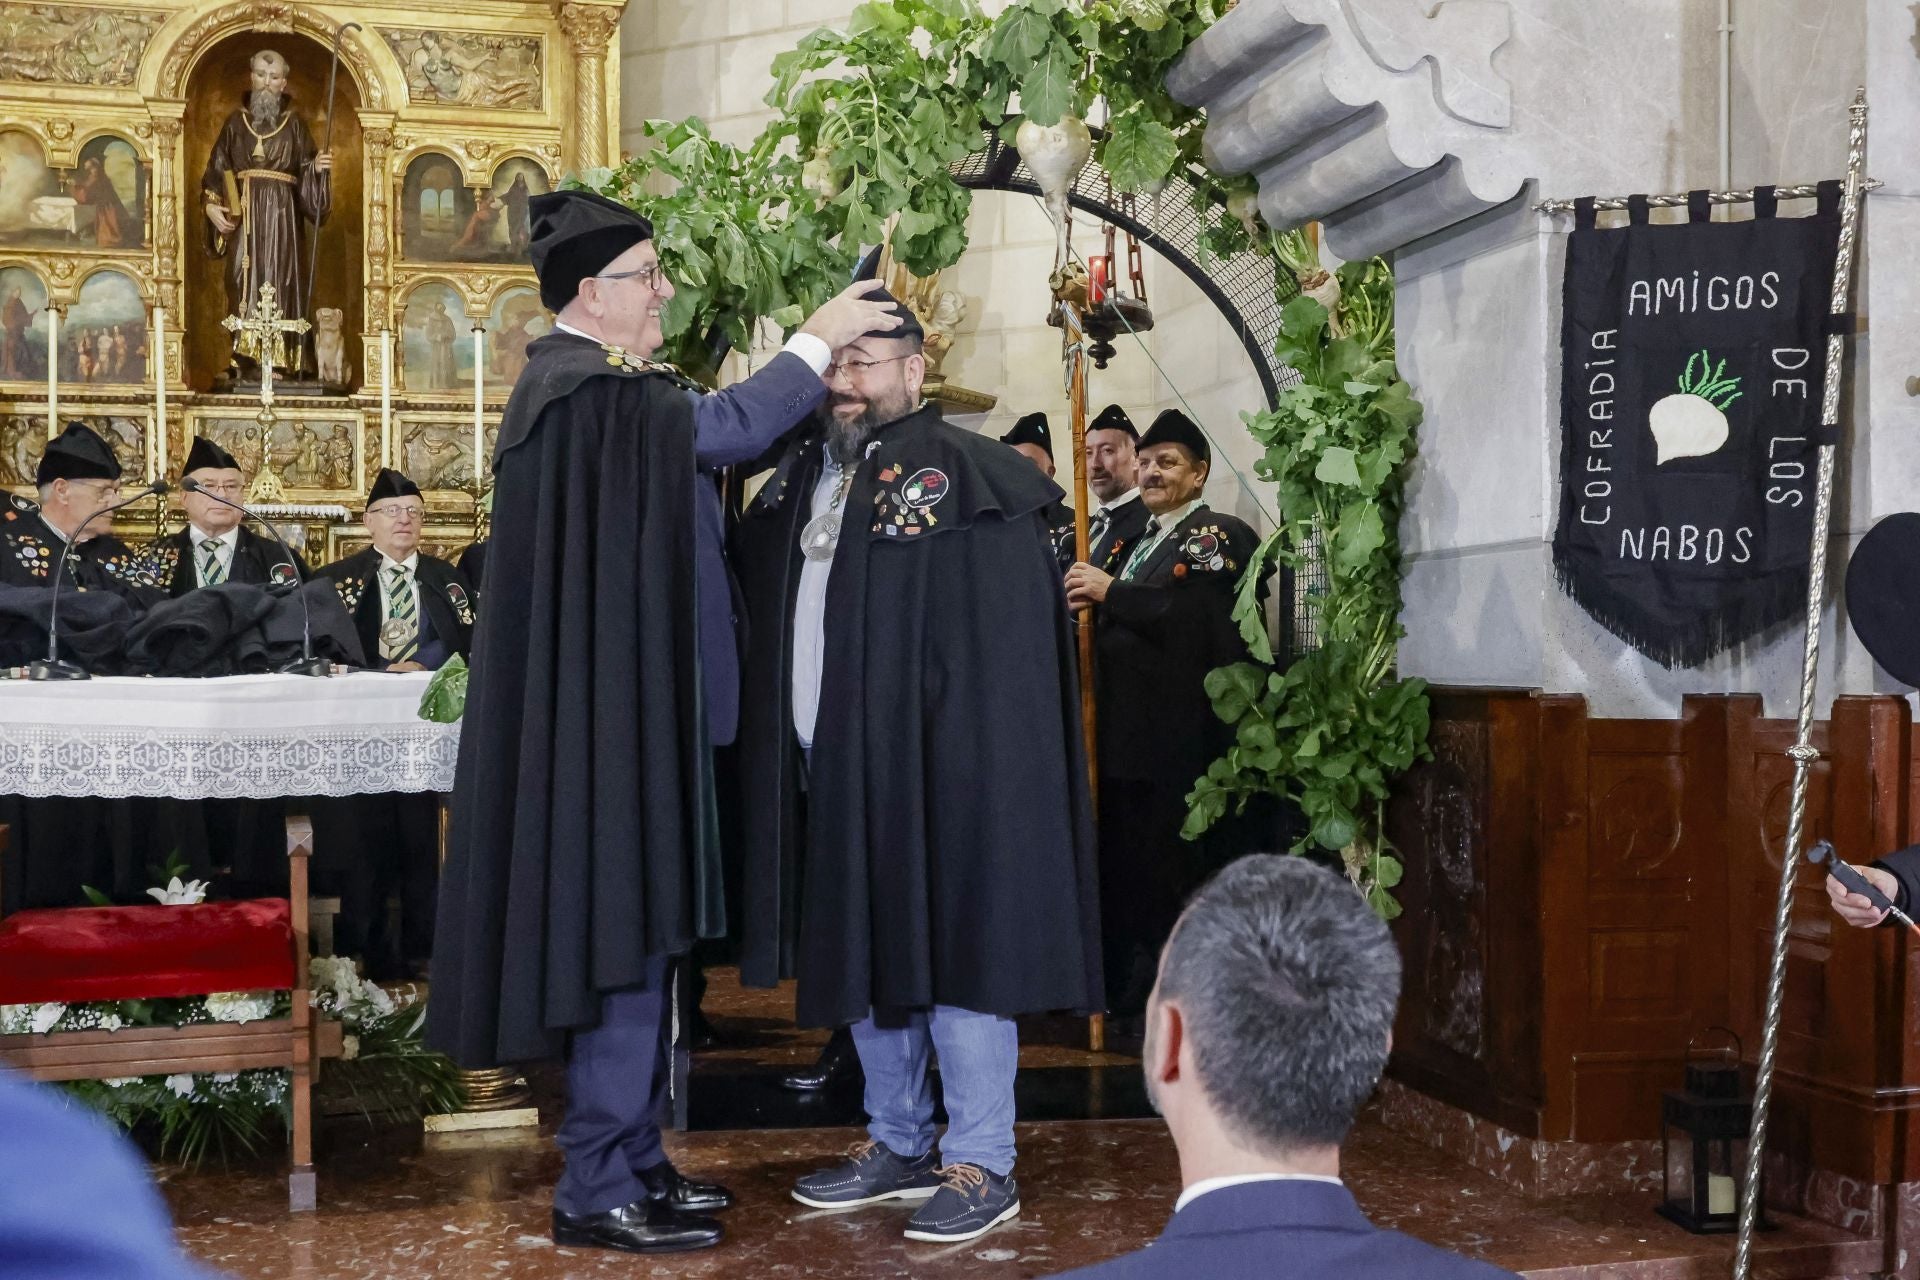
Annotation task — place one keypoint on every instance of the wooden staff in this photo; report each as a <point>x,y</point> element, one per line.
<point>313,236</point>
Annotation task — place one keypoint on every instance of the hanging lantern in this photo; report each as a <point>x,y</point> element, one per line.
<point>1703,1138</point>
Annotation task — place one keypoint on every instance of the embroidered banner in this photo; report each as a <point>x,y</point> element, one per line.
<point>1692,358</point>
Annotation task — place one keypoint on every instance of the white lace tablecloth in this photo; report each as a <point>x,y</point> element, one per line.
<point>256,737</point>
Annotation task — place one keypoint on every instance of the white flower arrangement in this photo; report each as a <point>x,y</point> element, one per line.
<point>180,895</point>
<point>240,1006</point>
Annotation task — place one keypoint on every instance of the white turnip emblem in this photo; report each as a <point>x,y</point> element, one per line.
<point>1692,422</point>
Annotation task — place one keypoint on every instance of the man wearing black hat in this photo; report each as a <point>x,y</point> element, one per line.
<point>911,671</point>
<point>583,853</point>
<point>1032,439</point>
<point>412,611</point>
<point>1161,624</point>
<point>217,545</point>
<point>1113,477</point>
<point>77,476</point>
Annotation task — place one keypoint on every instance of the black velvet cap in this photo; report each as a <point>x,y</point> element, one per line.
<point>205,453</point>
<point>1031,429</point>
<point>575,234</point>
<point>910,327</point>
<point>1114,418</point>
<point>1883,595</point>
<point>391,484</point>
<point>1175,427</point>
<point>78,453</point>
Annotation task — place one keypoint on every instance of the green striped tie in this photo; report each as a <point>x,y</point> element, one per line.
<point>400,638</point>
<point>212,572</point>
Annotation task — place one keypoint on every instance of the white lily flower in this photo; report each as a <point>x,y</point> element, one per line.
<point>179,895</point>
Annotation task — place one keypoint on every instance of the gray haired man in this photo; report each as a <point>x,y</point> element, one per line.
<point>1267,1030</point>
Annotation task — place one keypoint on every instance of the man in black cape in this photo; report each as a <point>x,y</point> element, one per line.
<point>950,881</point>
<point>583,850</point>
<point>1032,439</point>
<point>1161,623</point>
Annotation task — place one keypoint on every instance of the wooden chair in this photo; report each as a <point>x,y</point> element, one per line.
<point>74,948</point>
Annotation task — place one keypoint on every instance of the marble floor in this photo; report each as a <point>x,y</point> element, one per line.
<point>396,1203</point>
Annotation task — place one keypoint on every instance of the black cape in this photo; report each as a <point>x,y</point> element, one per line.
<point>170,561</point>
<point>950,840</point>
<point>584,835</point>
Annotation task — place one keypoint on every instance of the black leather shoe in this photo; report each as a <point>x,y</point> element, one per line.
<point>679,1192</point>
<point>837,1062</point>
<point>645,1226</point>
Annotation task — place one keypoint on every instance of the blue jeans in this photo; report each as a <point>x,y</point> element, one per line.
<point>979,1054</point>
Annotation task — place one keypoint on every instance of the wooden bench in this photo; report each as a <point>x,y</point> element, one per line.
<point>296,1042</point>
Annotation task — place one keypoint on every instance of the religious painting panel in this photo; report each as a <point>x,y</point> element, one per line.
<point>104,336</point>
<point>437,452</point>
<point>32,208</point>
<point>312,454</point>
<point>515,183</point>
<point>23,326</point>
<point>517,319</point>
<point>71,44</point>
<point>112,182</point>
<point>436,342</point>
<point>469,68</point>
<point>23,436</point>
<point>436,208</point>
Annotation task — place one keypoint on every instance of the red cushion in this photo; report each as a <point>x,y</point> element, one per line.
<point>76,954</point>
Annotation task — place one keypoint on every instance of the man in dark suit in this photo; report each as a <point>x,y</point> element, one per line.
<point>1162,621</point>
<point>1113,477</point>
<point>216,545</point>
<point>1032,439</point>
<point>413,611</point>
<point>1267,1030</point>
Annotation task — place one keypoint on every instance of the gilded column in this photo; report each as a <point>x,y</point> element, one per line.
<point>379,144</point>
<point>166,208</point>
<point>589,27</point>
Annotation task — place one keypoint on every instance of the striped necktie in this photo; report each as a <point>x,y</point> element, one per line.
<point>400,637</point>
<point>212,571</point>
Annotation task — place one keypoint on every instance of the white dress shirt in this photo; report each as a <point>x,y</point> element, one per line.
<point>810,618</point>
<point>229,541</point>
<point>1202,1187</point>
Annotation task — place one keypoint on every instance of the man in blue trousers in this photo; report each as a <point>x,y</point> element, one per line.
<point>584,849</point>
<point>1268,1029</point>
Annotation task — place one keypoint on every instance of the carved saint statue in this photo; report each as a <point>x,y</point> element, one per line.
<point>263,179</point>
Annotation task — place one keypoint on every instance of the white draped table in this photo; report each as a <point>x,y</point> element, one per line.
<point>228,737</point>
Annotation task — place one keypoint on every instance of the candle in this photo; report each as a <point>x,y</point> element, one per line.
<point>53,370</point>
<point>1097,279</point>
<point>157,464</point>
<point>386,397</point>
<point>479,420</point>
<point>1720,1194</point>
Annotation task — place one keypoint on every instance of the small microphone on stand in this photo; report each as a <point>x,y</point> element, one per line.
<point>53,667</point>
<point>306,664</point>
<point>1853,882</point>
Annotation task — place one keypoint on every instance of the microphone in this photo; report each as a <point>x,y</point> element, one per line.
<point>53,667</point>
<point>306,664</point>
<point>1851,880</point>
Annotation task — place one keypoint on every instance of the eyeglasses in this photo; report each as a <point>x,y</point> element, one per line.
<point>858,368</point>
<point>225,488</point>
<point>399,513</point>
<point>648,276</point>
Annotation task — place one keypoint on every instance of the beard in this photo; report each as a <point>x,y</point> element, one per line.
<point>847,437</point>
<point>264,106</point>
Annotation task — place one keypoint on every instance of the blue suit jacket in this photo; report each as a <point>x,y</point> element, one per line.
<point>1280,1230</point>
<point>732,426</point>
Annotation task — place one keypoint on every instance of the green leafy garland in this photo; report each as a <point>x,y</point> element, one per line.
<point>867,122</point>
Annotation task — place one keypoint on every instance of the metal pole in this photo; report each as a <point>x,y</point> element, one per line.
<point>1803,752</point>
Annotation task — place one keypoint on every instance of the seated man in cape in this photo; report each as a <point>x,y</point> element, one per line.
<point>216,545</point>
<point>1160,625</point>
<point>583,854</point>
<point>413,611</point>
<point>910,612</point>
<point>76,477</point>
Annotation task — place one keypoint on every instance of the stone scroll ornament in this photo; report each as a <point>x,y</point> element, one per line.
<point>1690,421</point>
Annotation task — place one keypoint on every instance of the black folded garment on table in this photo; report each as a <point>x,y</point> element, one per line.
<point>239,628</point>
<point>93,627</point>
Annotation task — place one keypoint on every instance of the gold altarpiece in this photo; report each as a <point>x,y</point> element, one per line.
<point>442,128</point>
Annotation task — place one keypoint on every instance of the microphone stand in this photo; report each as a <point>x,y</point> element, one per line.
<point>53,666</point>
<point>306,664</point>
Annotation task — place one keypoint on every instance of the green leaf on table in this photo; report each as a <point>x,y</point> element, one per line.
<point>445,700</point>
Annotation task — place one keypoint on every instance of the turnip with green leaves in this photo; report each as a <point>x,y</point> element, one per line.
<point>1692,422</point>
